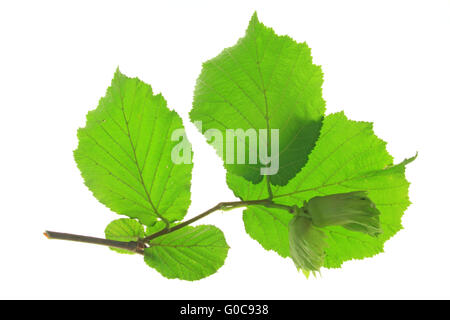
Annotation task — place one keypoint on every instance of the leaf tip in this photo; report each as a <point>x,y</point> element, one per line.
<point>254,17</point>
<point>254,22</point>
<point>409,160</point>
<point>118,74</point>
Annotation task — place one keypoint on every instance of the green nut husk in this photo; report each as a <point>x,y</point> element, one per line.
<point>307,244</point>
<point>353,211</point>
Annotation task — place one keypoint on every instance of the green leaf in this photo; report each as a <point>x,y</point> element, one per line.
<point>158,226</point>
<point>190,253</point>
<point>124,154</point>
<point>268,226</point>
<point>268,82</point>
<point>124,230</point>
<point>348,157</point>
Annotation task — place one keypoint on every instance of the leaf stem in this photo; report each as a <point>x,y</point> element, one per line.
<point>220,206</point>
<point>140,245</point>
<point>133,246</point>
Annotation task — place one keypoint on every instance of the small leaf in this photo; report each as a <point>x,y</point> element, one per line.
<point>124,154</point>
<point>124,230</point>
<point>265,82</point>
<point>158,226</point>
<point>190,253</point>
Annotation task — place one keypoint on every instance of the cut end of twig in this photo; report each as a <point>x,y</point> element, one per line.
<point>47,235</point>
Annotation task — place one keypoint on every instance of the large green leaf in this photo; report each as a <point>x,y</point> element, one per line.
<point>190,253</point>
<point>268,82</point>
<point>347,157</point>
<point>124,154</point>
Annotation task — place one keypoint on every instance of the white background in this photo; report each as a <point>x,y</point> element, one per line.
<point>384,61</point>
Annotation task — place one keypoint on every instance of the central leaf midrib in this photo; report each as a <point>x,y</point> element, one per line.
<point>135,156</point>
